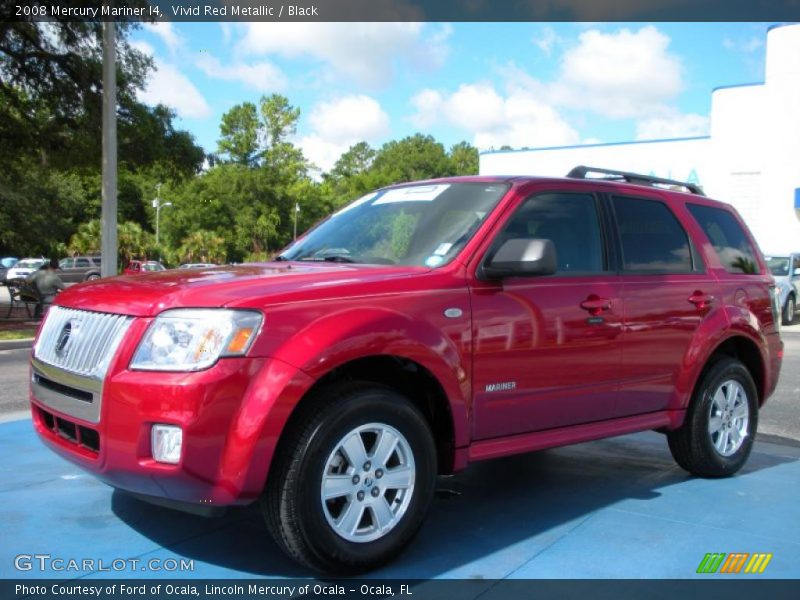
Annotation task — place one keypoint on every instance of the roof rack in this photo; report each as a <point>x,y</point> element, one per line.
<point>581,172</point>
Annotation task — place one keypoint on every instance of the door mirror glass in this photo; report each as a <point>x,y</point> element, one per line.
<point>521,257</point>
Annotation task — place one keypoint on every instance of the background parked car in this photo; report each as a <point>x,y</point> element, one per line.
<point>5,264</point>
<point>24,268</point>
<point>786,271</point>
<point>79,268</point>
<point>136,267</point>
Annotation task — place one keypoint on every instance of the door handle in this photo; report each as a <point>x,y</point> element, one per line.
<point>701,300</point>
<point>596,305</point>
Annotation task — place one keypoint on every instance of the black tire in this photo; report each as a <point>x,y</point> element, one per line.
<point>693,445</point>
<point>292,503</point>
<point>788,310</point>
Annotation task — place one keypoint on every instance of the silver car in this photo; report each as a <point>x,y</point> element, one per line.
<point>786,271</point>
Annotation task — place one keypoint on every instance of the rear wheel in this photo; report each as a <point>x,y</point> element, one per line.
<point>788,310</point>
<point>352,482</point>
<point>717,436</point>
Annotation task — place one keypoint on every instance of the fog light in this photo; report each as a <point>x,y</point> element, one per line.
<point>166,442</point>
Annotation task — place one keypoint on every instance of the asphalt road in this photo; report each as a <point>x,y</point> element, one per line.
<point>780,417</point>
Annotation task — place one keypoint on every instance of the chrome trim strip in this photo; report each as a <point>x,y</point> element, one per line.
<point>80,409</point>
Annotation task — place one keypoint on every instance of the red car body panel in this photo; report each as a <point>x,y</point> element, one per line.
<point>573,380</point>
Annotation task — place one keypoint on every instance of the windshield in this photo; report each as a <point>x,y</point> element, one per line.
<point>410,225</point>
<point>778,265</point>
<point>152,267</point>
<point>29,264</point>
<point>8,262</point>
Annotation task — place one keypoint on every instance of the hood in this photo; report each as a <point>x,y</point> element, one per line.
<point>241,286</point>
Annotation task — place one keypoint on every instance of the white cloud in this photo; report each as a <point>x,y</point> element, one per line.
<point>168,34</point>
<point>618,75</point>
<point>672,124</point>
<point>168,85</point>
<point>349,119</point>
<point>262,76</point>
<point>746,46</point>
<point>518,119</point>
<point>340,123</point>
<point>363,52</point>
<point>547,40</point>
<point>428,104</point>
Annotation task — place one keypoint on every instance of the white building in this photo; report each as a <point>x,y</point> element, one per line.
<point>751,158</point>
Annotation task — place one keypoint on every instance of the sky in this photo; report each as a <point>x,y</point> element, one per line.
<point>491,84</point>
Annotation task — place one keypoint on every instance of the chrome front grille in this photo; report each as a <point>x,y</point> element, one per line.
<point>80,342</point>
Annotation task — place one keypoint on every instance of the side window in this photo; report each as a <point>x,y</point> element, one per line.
<point>652,238</point>
<point>65,263</point>
<point>797,265</point>
<point>82,262</point>
<point>723,230</point>
<point>570,221</point>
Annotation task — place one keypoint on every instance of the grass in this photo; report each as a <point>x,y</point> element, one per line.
<point>17,334</point>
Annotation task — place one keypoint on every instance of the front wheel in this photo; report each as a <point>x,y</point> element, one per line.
<point>352,482</point>
<point>717,436</point>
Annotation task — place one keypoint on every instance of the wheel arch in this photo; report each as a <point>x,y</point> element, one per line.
<point>406,376</point>
<point>747,352</point>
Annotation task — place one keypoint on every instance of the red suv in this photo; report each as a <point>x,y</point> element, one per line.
<point>421,328</point>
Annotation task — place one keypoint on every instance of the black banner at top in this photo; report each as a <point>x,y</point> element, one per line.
<point>403,10</point>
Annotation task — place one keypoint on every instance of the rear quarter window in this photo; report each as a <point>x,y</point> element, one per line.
<point>733,247</point>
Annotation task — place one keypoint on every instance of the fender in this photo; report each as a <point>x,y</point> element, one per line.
<point>296,365</point>
<point>721,325</point>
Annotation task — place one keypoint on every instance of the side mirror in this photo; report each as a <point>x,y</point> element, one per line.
<point>522,258</point>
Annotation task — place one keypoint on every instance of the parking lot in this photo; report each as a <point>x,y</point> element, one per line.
<point>617,508</point>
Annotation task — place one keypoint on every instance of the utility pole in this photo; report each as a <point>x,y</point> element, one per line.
<point>157,205</point>
<point>296,210</point>
<point>108,235</point>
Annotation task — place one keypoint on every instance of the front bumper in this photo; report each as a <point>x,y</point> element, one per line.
<point>106,429</point>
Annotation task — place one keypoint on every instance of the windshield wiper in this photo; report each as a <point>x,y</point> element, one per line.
<point>338,258</point>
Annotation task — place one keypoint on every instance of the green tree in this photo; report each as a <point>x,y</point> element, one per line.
<point>51,87</point>
<point>203,246</point>
<point>410,159</point>
<point>133,241</point>
<point>239,133</point>
<point>279,119</point>
<point>355,161</point>
<point>464,159</point>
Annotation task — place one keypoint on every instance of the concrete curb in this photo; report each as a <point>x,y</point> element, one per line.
<point>16,344</point>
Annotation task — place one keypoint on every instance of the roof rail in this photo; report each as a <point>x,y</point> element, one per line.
<point>581,172</point>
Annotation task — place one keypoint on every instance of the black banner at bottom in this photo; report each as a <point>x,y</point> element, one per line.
<point>731,588</point>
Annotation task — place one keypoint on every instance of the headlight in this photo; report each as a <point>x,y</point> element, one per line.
<point>194,339</point>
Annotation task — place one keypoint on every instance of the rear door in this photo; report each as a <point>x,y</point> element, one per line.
<point>547,349</point>
<point>667,293</point>
<point>67,272</point>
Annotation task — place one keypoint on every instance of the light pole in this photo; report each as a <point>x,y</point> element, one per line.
<point>296,210</point>
<point>157,205</point>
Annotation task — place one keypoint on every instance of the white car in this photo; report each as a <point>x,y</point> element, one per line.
<point>24,268</point>
<point>786,271</point>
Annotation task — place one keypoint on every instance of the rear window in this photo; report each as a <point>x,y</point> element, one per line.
<point>731,243</point>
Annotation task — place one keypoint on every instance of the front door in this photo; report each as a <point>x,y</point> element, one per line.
<point>547,349</point>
